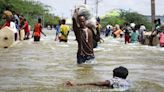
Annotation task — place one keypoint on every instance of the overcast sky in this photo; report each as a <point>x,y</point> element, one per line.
<point>64,7</point>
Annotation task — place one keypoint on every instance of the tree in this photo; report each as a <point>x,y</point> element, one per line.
<point>127,16</point>
<point>29,9</point>
<point>134,17</point>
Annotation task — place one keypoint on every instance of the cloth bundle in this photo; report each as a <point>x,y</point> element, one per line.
<point>85,11</point>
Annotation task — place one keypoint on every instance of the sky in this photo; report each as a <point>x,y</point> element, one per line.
<point>64,8</point>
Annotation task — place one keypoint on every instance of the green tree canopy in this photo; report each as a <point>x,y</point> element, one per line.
<point>126,16</point>
<point>29,9</point>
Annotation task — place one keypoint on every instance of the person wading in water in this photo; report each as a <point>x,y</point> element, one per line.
<point>84,37</point>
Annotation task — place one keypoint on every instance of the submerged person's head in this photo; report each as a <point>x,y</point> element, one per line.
<point>120,72</point>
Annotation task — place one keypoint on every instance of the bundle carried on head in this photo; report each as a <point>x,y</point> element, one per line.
<point>85,11</point>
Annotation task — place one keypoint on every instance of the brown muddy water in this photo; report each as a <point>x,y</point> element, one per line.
<point>46,65</point>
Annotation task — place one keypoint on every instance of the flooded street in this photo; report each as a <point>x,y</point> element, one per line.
<point>46,65</point>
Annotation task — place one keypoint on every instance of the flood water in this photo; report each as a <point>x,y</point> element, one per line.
<point>46,65</point>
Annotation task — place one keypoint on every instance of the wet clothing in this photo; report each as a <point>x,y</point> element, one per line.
<point>13,26</point>
<point>64,30</point>
<point>37,29</point>
<point>134,37</point>
<point>36,38</point>
<point>17,21</point>
<point>120,83</point>
<point>107,31</point>
<point>83,59</point>
<point>57,29</point>
<point>127,36</point>
<point>141,36</point>
<point>26,29</point>
<point>84,38</point>
<point>37,32</point>
<point>161,39</point>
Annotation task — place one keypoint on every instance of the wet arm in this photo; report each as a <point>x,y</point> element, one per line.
<point>43,33</point>
<point>104,83</point>
<point>76,29</point>
<point>41,30</point>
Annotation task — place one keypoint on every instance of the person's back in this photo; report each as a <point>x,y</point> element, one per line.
<point>134,36</point>
<point>37,29</point>
<point>37,32</point>
<point>64,30</point>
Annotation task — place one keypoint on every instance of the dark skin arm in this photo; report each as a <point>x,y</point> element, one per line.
<point>75,19</point>
<point>100,84</point>
<point>43,33</point>
<point>75,28</point>
<point>23,26</point>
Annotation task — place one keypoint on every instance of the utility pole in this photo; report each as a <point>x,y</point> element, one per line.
<point>152,11</point>
<point>85,1</point>
<point>97,7</point>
